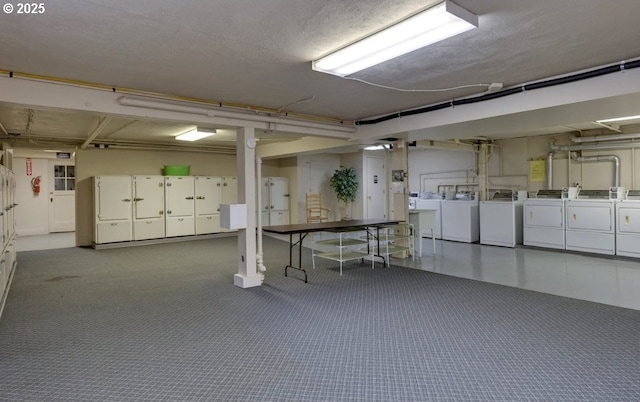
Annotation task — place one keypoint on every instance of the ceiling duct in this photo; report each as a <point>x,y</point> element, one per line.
<point>601,138</point>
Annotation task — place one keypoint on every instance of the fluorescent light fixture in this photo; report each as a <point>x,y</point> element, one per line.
<point>196,134</point>
<point>436,23</point>
<point>619,119</point>
<point>377,147</point>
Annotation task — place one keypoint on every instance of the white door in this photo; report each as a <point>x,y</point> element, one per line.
<point>208,199</point>
<point>148,207</point>
<point>265,200</point>
<point>279,193</point>
<point>62,196</point>
<point>229,190</point>
<point>179,196</point>
<point>113,198</point>
<point>148,198</point>
<point>208,195</point>
<point>376,182</point>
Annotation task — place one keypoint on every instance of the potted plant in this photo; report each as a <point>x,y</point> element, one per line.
<point>345,183</point>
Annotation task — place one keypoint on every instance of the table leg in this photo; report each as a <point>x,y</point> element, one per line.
<point>291,246</point>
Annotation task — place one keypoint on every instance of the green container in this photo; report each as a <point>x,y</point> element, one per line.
<point>176,170</point>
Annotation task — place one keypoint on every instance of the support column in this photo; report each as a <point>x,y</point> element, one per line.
<point>247,275</point>
<point>400,190</point>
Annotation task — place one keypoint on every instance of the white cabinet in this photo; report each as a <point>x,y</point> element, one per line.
<point>145,207</point>
<point>112,209</point>
<point>148,207</point>
<point>208,197</point>
<point>275,201</point>
<point>179,205</point>
<point>7,231</point>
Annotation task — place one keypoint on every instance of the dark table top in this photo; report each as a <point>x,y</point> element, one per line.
<point>328,226</point>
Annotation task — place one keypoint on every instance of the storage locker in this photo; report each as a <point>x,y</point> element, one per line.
<point>148,207</point>
<point>275,201</point>
<point>229,193</point>
<point>179,205</point>
<point>112,209</point>
<point>208,191</point>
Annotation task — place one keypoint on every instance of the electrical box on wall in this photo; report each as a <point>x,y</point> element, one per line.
<point>233,216</point>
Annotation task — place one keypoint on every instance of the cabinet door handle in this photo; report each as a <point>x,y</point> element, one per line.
<point>200,197</point>
<point>188,198</point>
<point>127,200</point>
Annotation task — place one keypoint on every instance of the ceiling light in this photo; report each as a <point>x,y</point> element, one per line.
<point>437,23</point>
<point>196,134</point>
<point>619,119</point>
<point>377,147</point>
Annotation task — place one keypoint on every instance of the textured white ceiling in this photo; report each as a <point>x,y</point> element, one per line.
<point>259,52</point>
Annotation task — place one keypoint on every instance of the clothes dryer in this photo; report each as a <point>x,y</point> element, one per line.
<point>544,218</point>
<point>628,225</point>
<point>591,222</point>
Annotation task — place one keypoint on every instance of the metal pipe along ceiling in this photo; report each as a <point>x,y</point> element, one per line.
<point>242,115</point>
<point>595,146</point>
<point>601,158</point>
<point>599,138</point>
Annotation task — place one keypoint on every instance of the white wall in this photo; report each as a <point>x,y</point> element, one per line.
<point>313,175</point>
<point>431,168</point>
<point>509,165</point>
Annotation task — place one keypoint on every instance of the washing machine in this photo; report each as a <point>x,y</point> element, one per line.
<point>432,204</point>
<point>501,219</point>
<point>543,222</point>
<point>461,220</point>
<point>591,221</point>
<point>628,225</point>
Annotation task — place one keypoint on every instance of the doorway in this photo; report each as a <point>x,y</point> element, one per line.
<point>62,196</point>
<point>376,184</point>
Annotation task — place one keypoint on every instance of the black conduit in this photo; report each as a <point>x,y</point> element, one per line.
<point>494,95</point>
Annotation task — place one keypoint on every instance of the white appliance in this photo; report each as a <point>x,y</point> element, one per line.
<point>179,205</point>
<point>275,201</point>
<point>591,222</point>
<point>460,220</point>
<point>544,219</point>
<point>413,197</point>
<point>208,197</point>
<point>628,225</point>
<point>112,200</point>
<point>501,219</point>
<point>148,207</point>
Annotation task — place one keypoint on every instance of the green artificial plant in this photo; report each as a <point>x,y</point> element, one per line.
<point>345,183</point>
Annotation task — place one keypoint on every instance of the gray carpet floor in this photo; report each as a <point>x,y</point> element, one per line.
<point>166,323</point>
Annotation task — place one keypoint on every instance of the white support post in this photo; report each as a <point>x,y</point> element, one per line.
<point>247,275</point>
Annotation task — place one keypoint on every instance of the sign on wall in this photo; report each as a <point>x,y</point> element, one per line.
<point>537,170</point>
